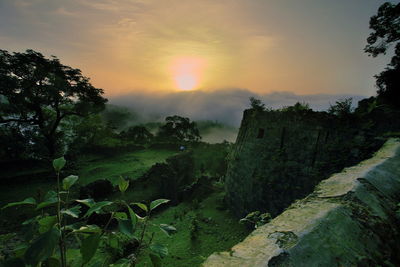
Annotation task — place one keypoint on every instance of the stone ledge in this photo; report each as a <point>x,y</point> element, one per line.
<point>348,220</point>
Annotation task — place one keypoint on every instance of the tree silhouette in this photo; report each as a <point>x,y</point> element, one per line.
<point>342,108</point>
<point>256,104</point>
<point>386,33</point>
<point>179,128</point>
<point>37,93</point>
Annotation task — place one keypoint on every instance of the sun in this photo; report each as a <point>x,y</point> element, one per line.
<point>186,81</point>
<point>187,72</point>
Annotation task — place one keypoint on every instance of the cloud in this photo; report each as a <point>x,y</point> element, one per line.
<point>221,105</point>
<point>266,46</point>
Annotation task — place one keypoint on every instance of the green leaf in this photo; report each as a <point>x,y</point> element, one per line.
<point>88,202</point>
<point>46,204</point>
<point>42,248</point>
<point>141,205</point>
<point>89,246</point>
<point>133,217</point>
<point>168,229</point>
<point>120,215</point>
<point>159,250</point>
<point>90,228</point>
<point>50,195</point>
<point>125,227</point>
<point>69,181</point>
<point>97,207</point>
<point>20,249</point>
<point>49,199</point>
<point>154,204</point>
<point>73,212</point>
<point>46,223</point>
<point>155,260</point>
<point>58,164</point>
<point>128,226</point>
<point>123,184</point>
<point>26,201</point>
<point>31,220</point>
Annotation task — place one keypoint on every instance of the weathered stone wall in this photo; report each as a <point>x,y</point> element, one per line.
<point>349,220</point>
<point>281,156</point>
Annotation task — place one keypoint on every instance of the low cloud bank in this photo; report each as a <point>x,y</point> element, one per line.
<point>224,106</point>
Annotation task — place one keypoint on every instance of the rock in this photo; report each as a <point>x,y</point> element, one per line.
<point>349,220</point>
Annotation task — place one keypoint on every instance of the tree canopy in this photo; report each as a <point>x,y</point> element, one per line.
<point>256,104</point>
<point>386,33</point>
<point>342,108</point>
<point>38,93</point>
<point>179,128</point>
<point>138,134</point>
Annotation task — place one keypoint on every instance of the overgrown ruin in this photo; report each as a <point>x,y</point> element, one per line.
<point>349,220</point>
<point>279,156</point>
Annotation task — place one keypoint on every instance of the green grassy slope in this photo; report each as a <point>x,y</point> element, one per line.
<point>130,165</point>
<point>217,230</point>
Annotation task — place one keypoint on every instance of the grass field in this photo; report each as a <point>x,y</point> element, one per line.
<point>130,165</point>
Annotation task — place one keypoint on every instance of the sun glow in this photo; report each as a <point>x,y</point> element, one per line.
<point>187,72</point>
<point>186,81</point>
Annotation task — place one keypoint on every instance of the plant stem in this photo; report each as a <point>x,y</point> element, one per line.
<point>151,239</point>
<point>144,229</point>
<point>59,220</point>
<point>109,221</point>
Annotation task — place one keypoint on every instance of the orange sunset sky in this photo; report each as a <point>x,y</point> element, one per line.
<point>305,47</point>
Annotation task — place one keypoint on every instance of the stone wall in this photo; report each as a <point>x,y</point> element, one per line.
<point>281,156</point>
<point>349,220</point>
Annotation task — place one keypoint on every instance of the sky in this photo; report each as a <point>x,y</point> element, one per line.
<point>153,46</point>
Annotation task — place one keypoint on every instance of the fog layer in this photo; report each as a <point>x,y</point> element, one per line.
<point>225,106</point>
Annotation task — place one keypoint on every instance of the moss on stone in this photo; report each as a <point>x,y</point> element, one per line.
<point>350,220</point>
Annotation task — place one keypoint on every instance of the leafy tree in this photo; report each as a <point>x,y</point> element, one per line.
<point>13,144</point>
<point>37,93</point>
<point>298,108</point>
<point>117,117</point>
<point>256,104</point>
<point>179,128</point>
<point>342,107</point>
<point>138,134</point>
<point>91,132</point>
<point>386,33</point>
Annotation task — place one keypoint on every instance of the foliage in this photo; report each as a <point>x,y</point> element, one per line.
<point>388,82</point>
<point>194,228</point>
<point>14,144</point>
<point>256,104</point>
<point>386,29</point>
<point>92,132</point>
<point>67,222</point>
<point>137,134</point>
<point>386,32</point>
<point>298,108</point>
<point>117,117</point>
<point>211,159</point>
<point>342,108</point>
<point>180,129</point>
<point>37,94</point>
